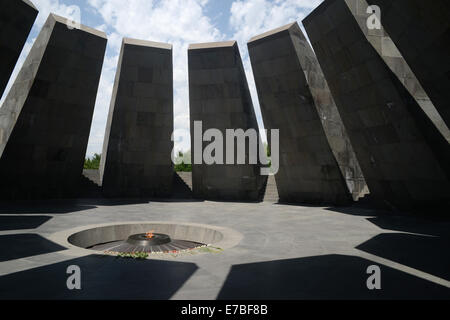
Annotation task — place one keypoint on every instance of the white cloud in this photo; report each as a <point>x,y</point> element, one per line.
<point>179,22</point>
<point>46,7</point>
<point>252,17</point>
<point>102,104</point>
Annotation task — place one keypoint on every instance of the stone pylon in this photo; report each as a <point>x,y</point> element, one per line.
<point>136,158</point>
<point>46,117</point>
<point>404,158</point>
<point>382,42</point>
<point>16,19</point>
<point>295,99</point>
<point>420,31</point>
<point>220,99</point>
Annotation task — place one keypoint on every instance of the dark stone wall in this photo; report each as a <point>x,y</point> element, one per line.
<point>404,158</point>
<point>421,31</point>
<point>294,96</point>
<point>386,48</point>
<point>220,98</point>
<point>16,20</point>
<point>46,118</point>
<point>136,158</point>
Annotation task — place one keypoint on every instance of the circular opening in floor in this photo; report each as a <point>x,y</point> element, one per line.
<point>148,238</point>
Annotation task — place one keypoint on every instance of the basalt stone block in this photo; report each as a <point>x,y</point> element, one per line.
<point>421,32</point>
<point>404,158</point>
<point>220,99</point>
<point>46,117</point>
<point>136,159</point>
<point>295,99</point>
<point>388,51</point>
<point>16,19</point>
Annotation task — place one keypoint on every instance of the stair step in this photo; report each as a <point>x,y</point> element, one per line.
<point>271,193</point>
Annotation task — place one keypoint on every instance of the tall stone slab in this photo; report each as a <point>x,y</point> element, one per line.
<point>136,158</point>
<point>421,32</point>
<point>294,98</point>
<point>16,20</point>
<point>386,48</point>
<point>404,158</point>
<point>46,117</point>
<point>219,98</point>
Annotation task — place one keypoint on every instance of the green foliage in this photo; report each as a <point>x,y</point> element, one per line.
<point>92,163</point>
<point>266,146</point>
<point>133,255</point>
<point>209,249</point>
<point>182,167</point>
<point>180,162</point>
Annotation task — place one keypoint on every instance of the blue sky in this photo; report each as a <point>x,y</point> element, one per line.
<point>179,22</point>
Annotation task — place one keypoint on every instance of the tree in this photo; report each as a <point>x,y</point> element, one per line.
<point>93,163</point>
<point>182,162</point>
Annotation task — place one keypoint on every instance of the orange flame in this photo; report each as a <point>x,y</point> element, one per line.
<point>149,234</point>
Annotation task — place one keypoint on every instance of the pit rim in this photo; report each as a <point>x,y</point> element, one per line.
<point>230,237</point>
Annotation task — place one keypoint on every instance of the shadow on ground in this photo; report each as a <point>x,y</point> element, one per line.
<point>367,208</point>
<point>102,277</point>
<point>359,211</point>
<point>422,244</point>
<point>353,210</point>
<point>323,277</point>
<point>43,207</point>
<point>63,206</point>
<point>181,188</point>
<point>22,222</point>
<point>430,226</point>
<point>17,246</point>
<point>429,254</point>
<point>298,204</point>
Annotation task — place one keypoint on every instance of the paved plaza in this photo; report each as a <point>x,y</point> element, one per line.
<point>286,252</point>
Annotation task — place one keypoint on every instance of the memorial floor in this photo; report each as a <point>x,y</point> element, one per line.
<point>286,252</point>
